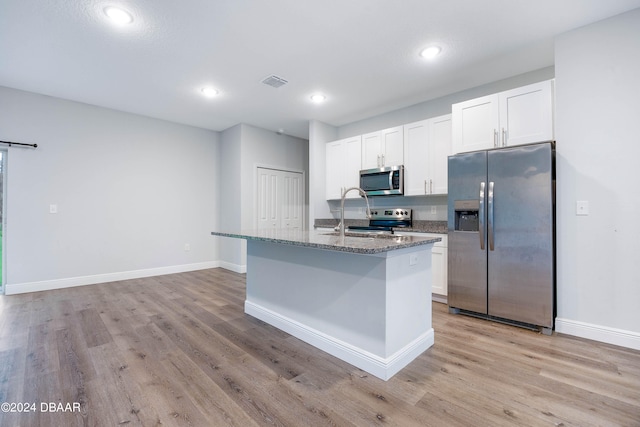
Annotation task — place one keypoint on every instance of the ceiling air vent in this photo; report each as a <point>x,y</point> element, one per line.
<point>274,81</point>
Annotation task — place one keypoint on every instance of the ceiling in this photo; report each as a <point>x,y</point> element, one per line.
<point>362,54</point>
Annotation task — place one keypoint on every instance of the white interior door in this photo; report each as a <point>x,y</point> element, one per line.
<point>292,202</point>
<point>268,215</point>
<point>280,199</point>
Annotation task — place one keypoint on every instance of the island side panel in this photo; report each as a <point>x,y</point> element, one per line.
<point>339,294</point>
<point>408,298</point>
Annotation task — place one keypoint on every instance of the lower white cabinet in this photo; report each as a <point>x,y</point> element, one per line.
<point>438,265</point>
<point>439,269</point>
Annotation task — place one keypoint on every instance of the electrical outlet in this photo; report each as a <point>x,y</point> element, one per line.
<point>187,247</point>
<point>434,210</point>
<point>582,207</point>
<point>413,259</point>
<point>53,209</point>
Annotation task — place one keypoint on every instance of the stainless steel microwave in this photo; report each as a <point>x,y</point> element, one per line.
<point>387,181</point>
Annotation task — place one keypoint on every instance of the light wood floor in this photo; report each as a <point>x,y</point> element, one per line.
<point>178,350</point>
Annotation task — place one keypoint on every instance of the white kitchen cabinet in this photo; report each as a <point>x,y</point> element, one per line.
<point>439,151</point>
<point>383,148</point>
<point>416,149</point>
<point>427,144</point>
<point>439,272</point>
<point>343,164</point>
<point>438,265</point>
<point>518,116</point>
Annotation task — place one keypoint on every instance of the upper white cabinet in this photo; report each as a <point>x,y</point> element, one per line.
<point>343,164</point>
<point>439,151</point>
<point>427,144</point>
<point>513,117</point>
<point>383,148</point>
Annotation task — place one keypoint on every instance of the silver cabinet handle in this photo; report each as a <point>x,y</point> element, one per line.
<point>425,186</point>
<point>490,223</point>
<point>430,186</point>
<point>481,215</point>
<point>504,138</point>
<point>495,138</point>
<point>382,165</point>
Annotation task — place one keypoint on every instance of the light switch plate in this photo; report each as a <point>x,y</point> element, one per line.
<point>582,207</point>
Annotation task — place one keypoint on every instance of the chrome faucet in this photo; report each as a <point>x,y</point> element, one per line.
<point>361,191</point>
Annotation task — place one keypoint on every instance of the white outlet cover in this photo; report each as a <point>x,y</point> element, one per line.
<point>582,207</point>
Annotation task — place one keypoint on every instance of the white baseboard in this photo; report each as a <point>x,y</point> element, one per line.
<point>236,268</point>
<point>600,333</point>
<point>46,285</point>
<point>439,298</point>
<point>383,368</point>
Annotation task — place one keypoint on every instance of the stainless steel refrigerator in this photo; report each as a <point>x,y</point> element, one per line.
<point>501,233</point>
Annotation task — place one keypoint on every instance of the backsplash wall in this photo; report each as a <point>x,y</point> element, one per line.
<point>425,208</point>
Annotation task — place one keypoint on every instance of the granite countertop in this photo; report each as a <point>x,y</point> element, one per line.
<point>325,239</point>
<point>419,226</point>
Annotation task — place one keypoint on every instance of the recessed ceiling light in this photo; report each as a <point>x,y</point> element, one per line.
<point>431,52</point>
<point>209,91</point>
<point>118,16</point>
<point>318,97</point>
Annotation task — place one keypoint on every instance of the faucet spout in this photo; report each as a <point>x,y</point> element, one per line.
<point>344,195</point>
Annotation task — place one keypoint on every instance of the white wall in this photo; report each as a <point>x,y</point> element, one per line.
<point>598,151</point>
<point>264,148</point>
<point>319,134</point>
<point>244,148</point>
<point>131,192</point>
<point>440,106</point>
<point>231,250</point>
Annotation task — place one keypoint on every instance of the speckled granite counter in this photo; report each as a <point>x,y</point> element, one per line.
<point>326,239</point>
<point>419,226</point>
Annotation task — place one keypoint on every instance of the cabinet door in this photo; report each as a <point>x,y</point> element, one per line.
<point>526,114</point>
<point>439,270</point>
<point>439,151</point>
<point>292,201</point>
<point>334,163</point>
<point>269,210</point>
<point>352,165</point>
<point>416,147</point>
<point>475,124</point>
<point>392,146</point>
<point>371,150</point>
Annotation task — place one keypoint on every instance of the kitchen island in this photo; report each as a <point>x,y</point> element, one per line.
<point>363,299</point>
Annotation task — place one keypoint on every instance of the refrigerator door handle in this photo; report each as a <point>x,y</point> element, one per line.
<point>490,224</point>
<point>481,215</point>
